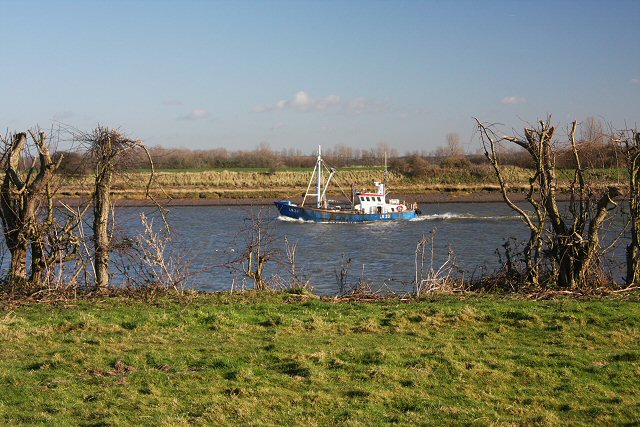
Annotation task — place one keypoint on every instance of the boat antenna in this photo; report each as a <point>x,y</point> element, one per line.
<point>384,178</point>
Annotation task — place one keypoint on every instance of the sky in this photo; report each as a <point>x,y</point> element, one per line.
<point>297,74</point>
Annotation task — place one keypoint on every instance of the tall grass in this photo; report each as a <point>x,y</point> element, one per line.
<point>219,182</point>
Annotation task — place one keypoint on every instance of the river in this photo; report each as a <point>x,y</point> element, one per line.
<point>383,252</point>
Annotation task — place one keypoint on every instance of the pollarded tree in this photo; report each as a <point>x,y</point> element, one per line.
<point>108,149</point>
<point>24,193</point>
<point>566,240</point>
<point>629,140</point>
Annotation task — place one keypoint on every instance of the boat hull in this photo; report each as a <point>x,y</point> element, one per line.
<point>291,210</point>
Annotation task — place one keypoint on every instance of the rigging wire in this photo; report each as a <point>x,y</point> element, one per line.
<point>326,165</point>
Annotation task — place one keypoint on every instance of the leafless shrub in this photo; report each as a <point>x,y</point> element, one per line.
<point>361,289</point>
<point>257,249</point>
<point>510,276</point>
<point>145,261</point>
<point>362,285</point>
<point>297,282</point>
<point>59,248</point>
<point>564,246</point>
<point>429,277</point>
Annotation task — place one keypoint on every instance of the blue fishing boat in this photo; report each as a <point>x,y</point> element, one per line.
<point>363,207</point>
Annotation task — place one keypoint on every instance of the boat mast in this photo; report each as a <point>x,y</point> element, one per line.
<point>317,172</point>
<point>321,190</point>
<point>319,177</point>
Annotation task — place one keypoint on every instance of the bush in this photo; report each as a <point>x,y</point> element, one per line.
<point>457,162</point>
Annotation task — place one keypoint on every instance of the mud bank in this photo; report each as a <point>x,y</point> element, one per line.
<point>424,198</point>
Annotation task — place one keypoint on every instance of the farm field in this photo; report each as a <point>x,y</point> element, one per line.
<point>275,184</point>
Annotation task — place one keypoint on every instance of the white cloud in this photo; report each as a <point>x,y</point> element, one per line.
<point>197,114</point>
<point>513,100</point>
<point>301,101</point>
<point>327,102</point>
<point>304,102</point>
<point>635,81</point>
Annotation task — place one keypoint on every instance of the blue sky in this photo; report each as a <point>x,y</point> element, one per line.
<point>235,74</point>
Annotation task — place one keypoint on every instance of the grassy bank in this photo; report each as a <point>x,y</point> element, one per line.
<point>279,359</point>
<point>289,183</point>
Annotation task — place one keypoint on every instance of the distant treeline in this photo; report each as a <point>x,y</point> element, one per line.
<point>261,157</point>
<point>594,155</point>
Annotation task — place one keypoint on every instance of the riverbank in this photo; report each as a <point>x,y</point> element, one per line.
<point>286,359</point>
<point>237,187</point>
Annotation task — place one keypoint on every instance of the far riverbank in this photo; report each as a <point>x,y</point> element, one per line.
<point>424,198</point>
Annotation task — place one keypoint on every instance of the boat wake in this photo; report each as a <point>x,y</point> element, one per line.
<point>463,216</point>
<point>289,219</point>
<point>447,216</point>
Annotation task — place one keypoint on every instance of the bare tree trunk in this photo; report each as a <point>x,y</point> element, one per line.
<point>593,237</point>
<point>101,211</point>
<point>570,268</point>
<point>531,256</point>
<point>633,263</point>
<point>18,266</point>
<point>633,249</point>
<point>38,263</point>
<point>38,255</point>
<point>11,207</point>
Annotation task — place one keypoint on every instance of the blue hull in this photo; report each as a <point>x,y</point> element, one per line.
<point>290,210</point>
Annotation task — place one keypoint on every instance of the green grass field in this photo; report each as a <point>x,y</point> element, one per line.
<point>281,359</point>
